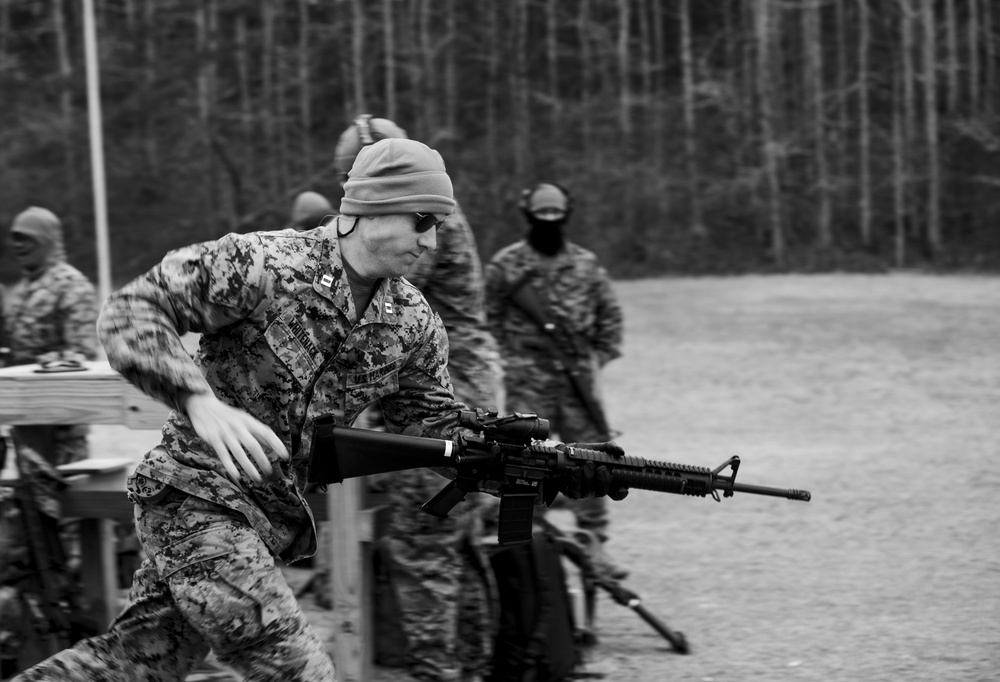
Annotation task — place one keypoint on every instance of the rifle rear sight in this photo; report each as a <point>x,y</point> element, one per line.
<point>519,428</point>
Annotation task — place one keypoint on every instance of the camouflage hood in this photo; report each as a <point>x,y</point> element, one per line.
<point>45,231</point>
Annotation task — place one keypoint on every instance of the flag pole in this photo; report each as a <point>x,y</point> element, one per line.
<point>97,152</point>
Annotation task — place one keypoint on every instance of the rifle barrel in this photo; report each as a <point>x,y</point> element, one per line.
<point>789,493</point>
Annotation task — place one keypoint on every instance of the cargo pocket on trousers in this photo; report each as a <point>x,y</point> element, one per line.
<point>225,583</point>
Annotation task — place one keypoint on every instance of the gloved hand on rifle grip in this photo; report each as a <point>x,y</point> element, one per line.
<point>591,479</point>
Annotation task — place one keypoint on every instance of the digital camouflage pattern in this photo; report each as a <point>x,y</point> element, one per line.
<point>436,565</point>
<point>50,314</point>
<point>208,568</point>
<point>577,291</point>
<point>275,314</point>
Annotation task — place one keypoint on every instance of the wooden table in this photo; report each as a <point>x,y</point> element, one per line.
<point>100,395</point>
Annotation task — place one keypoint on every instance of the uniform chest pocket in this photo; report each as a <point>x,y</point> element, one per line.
<point>295,348</point>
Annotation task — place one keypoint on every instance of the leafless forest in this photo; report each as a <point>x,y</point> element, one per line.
<point>698,137</point>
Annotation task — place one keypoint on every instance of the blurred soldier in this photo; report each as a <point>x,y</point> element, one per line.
<point>48,317</point>
<point>435,565</point>
<point>573,294</point>
<point>308,210</point>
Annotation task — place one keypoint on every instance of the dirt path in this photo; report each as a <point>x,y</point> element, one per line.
<point>879,394</point>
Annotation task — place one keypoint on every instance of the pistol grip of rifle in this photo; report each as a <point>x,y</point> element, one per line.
<point>446,499</point>
<point>517,512</point>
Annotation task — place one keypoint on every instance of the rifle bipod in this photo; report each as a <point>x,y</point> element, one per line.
<point>579,549</point>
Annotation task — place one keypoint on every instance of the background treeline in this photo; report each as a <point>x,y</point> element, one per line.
<point>697,136</point>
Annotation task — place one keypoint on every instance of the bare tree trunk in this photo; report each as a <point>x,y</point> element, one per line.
<point>149,60</point>
<point>658,103</point>
<point>840,149</point>
<point>697,226</point>
<point>358,55</point>
<point>624,70</point>
<point>281,123</point>
<point>243,80</point>
<point>973,33</point>
<point>814,86</point>
<point>989,58</point>
<point>646,68</point>
<point>428,74</point>
<point>66,106</point>
<point>745,67</point>
<point>951,38</point>
<point>931,129</point>
<point>864,125</point>
<point>899,166</point>
<point>493,75</point>
<point>266,108</point>
<point>4,30</point>
<point>519,90</point>
<point>206,26</point>
<point>583,31</point>
<point>451,73</point>
<point>764,40</point>
<point>552,59</point>
<point>305,90</point>
<point>909,107</point>
<point>389,45</point>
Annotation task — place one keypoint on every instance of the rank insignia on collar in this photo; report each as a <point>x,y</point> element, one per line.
<point>327,280</point>
<point>388,308</point>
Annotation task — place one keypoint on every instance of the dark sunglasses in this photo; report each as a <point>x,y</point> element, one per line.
<point>426,221</point>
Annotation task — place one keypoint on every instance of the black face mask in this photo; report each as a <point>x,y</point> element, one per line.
<point>546,236</point>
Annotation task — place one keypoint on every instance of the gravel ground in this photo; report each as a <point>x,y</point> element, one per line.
<point>881,395</point>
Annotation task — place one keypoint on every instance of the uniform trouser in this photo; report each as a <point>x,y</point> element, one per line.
<point>212,584</point>
<point>537,388</point>
<point>443,608</point>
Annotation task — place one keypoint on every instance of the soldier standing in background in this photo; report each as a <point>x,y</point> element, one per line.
<point>49,318</point>
<point>308,210</point>
<point>573,292</point>
<point>436,568</point>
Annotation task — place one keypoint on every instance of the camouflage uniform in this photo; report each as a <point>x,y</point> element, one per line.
<point>279,341</point>
<point>436,565</point>
<point>49,314</point>
<point>578,292</point>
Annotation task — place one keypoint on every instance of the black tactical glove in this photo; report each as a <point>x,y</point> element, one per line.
<point>590,479</point>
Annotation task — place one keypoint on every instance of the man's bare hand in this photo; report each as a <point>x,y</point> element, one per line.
<point>234,435</point>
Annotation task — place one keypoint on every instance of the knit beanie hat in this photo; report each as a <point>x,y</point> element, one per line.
<point>547,196</point>
<point>309,205</point>
<point>365,130</point>
<point>398,176</point>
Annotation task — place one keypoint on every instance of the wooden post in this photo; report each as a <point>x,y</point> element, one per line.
<point>348,587</point>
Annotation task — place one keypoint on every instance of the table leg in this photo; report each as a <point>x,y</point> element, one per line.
<point>98,570</point>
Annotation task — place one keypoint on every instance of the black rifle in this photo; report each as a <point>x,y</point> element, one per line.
<point>568,352</point>
<point>506,458</point>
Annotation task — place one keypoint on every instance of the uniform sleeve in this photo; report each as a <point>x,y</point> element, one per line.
<point>496,298</point>
<point>201,289</point>
<point>78,311</point>
<point>451,276</point>
<point>607,339</point>
<point>425,397</point>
